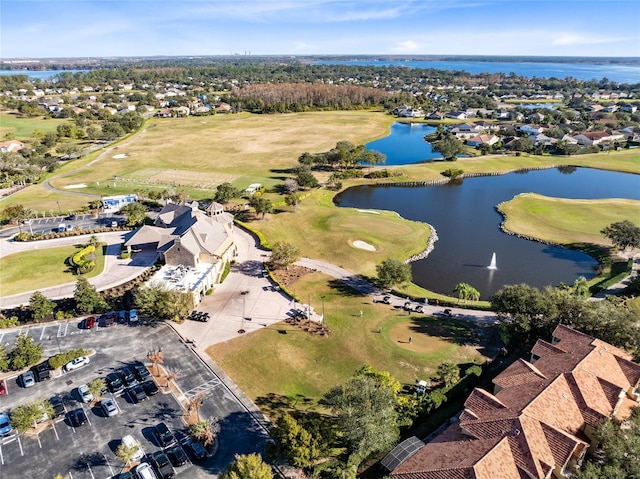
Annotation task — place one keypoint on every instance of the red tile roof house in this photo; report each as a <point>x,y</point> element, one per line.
<point>540,419</point>
<point>483,139</point>
<point>597,137</point>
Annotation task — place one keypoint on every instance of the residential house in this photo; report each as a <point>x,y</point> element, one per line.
<point>629,108</point>
<point>542,140</point>
<point>538,422</point>
<point>436,115</point>
<point>598,137</point>
<point>11,146</point>
<point>223,108</point>
<point>531,129</point>
<point>483,140</point>
<point>457,115</point>
<point>536,117</point>
<point>195,246</point>
<point>569,140</point>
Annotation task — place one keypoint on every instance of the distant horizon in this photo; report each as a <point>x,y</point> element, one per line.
<point>51,29</point>
<point>398,57</point>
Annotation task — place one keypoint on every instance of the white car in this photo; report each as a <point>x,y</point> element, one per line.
<point>76,363</point>
<point>145,471</point>
<point>129,441</point>
<point>85,393</point>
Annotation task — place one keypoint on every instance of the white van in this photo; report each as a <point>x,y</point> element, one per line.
<point>145,471</point>
<point>62,228</point>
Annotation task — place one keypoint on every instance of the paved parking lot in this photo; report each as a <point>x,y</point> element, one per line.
<point>88,451</point>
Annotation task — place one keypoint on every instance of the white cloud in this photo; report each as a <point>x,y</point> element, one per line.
<point>408,46</point>
<point>591,39</point>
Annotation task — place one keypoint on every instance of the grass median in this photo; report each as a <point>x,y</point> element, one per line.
<point>42,268</point>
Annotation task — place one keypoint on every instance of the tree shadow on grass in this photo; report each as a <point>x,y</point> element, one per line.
<point>276,404</point>
<point>457,332</point>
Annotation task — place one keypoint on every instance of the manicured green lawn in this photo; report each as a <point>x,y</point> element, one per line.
<point>565,221</point>
<point>24,128</point>
<point>282,362</point>
<point>41,268</point>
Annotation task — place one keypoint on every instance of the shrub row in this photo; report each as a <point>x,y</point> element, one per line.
<point>60,360</point>
<point>225,271</point>
<point>263,241</point>
<point>24,236</point>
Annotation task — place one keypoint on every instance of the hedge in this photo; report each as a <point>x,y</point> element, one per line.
<point>225,271</point>
<point>80,260</point>
<point>60,360</point>
<point>263,241</point>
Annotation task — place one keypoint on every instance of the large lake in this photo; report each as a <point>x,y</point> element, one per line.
<point>579,71</point>
<point>467,223</point>
<point>40,74</point>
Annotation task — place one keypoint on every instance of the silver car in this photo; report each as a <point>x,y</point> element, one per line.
<point>85,393</point>
<point>28,379</point>
<point>109,407</point>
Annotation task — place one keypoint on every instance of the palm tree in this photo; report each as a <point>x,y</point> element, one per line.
<point>205,431</point>
<point>462,289</point>
<point>581,287</point>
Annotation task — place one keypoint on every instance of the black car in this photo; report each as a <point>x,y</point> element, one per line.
<point>150,388</point>
<point>196,450</point>
<point>41,371</point>
<point>176,455</point>
<point>77,417</point>
<point>137,394</point>
<point>163,465</point>
<point>128,378</point>
<point>141,372</point>
<point>58,407</point>
<point>114,382</point>
<point>165,438</point>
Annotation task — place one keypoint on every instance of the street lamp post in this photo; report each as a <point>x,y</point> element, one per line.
<point>59,209</point>
<point>244,310</point>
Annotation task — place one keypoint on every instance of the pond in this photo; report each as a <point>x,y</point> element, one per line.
<point>467,224</point>
<point>405,144</point>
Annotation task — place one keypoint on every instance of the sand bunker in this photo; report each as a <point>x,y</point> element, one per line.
<point>121,155</point>
<point>363,245</point>
<point>369,211</point>
<point>78,185</point>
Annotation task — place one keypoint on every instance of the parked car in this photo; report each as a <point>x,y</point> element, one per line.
<point>5,425</point>
<point>41,371</point>
<point>109,407</point>
<point>150,388</point>
<point>447,312</point>
<point>137,394</point>
<point>129,441</point>
<point>176,455</point>
<point>122,316</point>
<point>85,393</point>
<point>145,471</point>
<point>196,450</point>
<point>76,363</point>
<point>163,465</point>
<point>164,435</point>
<point>28,379</point>
<point>133,315</point>
<point>407,306</point>
<point>89,322</point>
<point>77,417</point>
<point>419,309</point>
<point>58,407</point>
<point>108,319</point>
<point>3,387</point>
<point>69,227</point>
<point>128,378</point>
<point>141,372</point>
<point>114,382</point>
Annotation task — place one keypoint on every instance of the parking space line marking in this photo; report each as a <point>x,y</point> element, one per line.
<point>1,457</point>
<point>106,459</point>
<point>70,476</point>
<point>60,333</point>
<point>42,333</point>
<point>90,471</point>
<point>88,420</point>
<point>66,327</point>
<point>203,388</point>
<point>53,424</point>
<point>20,444</point>
<point>1,337</point>
<point>38,438</point>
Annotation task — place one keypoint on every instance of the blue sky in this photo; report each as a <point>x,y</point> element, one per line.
<point>55,28</point>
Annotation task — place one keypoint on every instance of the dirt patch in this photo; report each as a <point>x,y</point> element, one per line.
<point>290,275</point>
